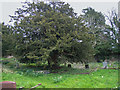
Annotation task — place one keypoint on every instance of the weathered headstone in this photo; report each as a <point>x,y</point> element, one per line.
<point>8,85</point>
<point>105,64</point>
<point>86,66</point>
<point>17,65</point>
<point>69,65</point>
<point>9,56</point>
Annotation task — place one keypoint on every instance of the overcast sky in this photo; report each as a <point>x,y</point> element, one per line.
<point>8,7</point>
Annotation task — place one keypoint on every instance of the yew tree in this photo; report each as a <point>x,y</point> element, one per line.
<point>7,40</point>
<point>46,32</point>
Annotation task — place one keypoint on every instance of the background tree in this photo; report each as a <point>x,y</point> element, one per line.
<point>114,30</point>
<point>0,40</point>
<point>45,32</point>
<point>96,23</point>
<point>8,41</point>
<point>106,35</point>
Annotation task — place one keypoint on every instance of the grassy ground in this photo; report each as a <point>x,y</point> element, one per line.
<point>99,79</point>
<point>65,78</point>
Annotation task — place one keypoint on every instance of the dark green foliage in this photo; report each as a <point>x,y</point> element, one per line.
<point>8,40</point>
<point>12,62</point>
<point>93,17</point>
<point>106,35</point>
<point>0,40</point>
<point>45,32</point>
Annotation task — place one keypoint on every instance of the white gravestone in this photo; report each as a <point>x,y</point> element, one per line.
<point>105,64</point>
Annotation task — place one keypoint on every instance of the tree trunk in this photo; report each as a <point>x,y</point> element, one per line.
<point>48,63</point>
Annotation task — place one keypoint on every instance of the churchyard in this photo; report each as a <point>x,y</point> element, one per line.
<point>48,44</point>
<point>77,76</point>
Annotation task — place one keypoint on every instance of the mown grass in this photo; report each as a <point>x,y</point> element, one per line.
<point>64,77</point>
<point>103,78</point>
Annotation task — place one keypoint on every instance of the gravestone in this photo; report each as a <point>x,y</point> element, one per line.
<point>105,64</point>
<point>8,85</point>
<point>17,65</point>
<point>69,65</point>
<point>86,66</point>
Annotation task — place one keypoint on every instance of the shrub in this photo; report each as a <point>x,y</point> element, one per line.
<point>5,62</point>
<point>57,79</point>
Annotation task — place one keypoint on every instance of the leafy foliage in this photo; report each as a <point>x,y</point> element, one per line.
<point>45,31</point>
<point>106,36</point>
<point>8,40</point>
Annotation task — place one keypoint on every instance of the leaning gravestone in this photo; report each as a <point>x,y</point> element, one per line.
<point>105,64</point>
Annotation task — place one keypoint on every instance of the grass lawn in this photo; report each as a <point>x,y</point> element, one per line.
<point>102,78</point>
<point>65,78</point>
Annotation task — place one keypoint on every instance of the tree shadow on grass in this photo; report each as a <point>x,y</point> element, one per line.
<point>57,70</point>
<point>67,70</point>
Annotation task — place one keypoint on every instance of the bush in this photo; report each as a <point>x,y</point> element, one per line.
<point>57,79</point>
<point>11,64</point>
<point>5,62</point>
<point>31,72</point>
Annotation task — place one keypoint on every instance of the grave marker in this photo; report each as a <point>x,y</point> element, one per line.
<point>8,85</point>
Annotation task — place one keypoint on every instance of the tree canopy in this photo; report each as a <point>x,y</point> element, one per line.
<point>52,33</point>
<point>106,35</point>
<point>48,31</point>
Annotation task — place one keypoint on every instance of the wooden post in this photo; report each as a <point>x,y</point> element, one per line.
<point>35,86</point>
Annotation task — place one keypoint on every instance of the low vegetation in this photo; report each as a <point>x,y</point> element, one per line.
<point>94,77</point>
